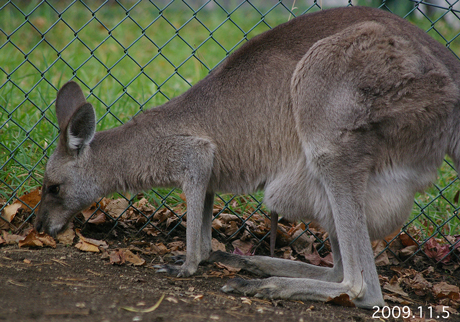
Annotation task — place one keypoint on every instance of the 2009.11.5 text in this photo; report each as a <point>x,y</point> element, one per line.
<point>405,312</point>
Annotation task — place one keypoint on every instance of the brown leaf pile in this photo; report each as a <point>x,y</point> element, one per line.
<point>406,281</point>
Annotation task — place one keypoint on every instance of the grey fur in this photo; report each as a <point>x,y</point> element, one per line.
<point>341,116</point>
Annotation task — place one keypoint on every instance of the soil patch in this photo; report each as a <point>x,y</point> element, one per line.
<point>65,284</point>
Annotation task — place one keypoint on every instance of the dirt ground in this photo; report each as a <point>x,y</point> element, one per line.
<point>65,284</point>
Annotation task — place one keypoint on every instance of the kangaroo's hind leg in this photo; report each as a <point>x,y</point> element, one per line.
<point>269,266</point>
<point>344,172</point>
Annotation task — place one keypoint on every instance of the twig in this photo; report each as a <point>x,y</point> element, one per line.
<point>16,283</point>
<point>148,310</point>
<point>292,8</point>
<point>60,262</point>
<point>94,273</point>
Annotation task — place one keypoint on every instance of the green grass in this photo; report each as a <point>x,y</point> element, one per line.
<point>125,66</point>
<point>127,63</point>
<point>434,211</point>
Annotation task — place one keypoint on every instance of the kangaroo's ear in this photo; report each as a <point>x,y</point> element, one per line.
<point>69,98</point>
<point>76,117</point>
<point>81,128</point>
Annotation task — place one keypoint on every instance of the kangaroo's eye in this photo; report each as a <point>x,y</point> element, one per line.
<point>54,189</point>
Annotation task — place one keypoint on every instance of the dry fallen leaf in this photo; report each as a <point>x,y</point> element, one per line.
<point>116,207</point>
<point>123,255</point>
<point>35,239</point>
<point>88,212</point>
<point>303,242</point>
<point>327,261</point>
<point>31,199</point>
<point>298,228</point>
<point>231,228</point>
<point>11,238</point>
<point>408,251</point>
<point>171,220</point>
<point>437,251</point>
<point>217,245</point>
<point>242,248</point>
<point>161,215</point>
<point>159,249</point>
<point>378,246</point>
<point>214,274</point>
<point>444,290</point>
<point>217,224</point>
<point>115,258</point>
<point>26,201</point>
<point>407,240</point>
<point>230,269</point>
<point>66,237</point>
<point>312,256</point>
<point>226,218</point>
<point>419,284</point>
<point>287,252</point>
<point>88,244</point>
<point>382,260</point>
<point>176,246</point>
<point>98,219</point>
<point>99,243</point>
<point>132,258</point>
<point>342,299</point>
<point>87,247</point>
<point>394,288</point>
<point>390,237</point>
<point>10,211</point>
<point>396,299</point>
<point>94,215</point>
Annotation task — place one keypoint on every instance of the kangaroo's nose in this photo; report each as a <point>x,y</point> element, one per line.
<point>38,225</point>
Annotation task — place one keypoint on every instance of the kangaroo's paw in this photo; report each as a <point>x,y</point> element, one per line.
<point>303,289</point>
<point>172,270</point>
<point>261,288</point>
<point>179,259</point>
<point>176,270</point>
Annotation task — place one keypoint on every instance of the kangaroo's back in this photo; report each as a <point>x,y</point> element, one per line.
<point>245,104</point>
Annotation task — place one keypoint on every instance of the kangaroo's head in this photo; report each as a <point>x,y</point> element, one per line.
<point>69,184</point>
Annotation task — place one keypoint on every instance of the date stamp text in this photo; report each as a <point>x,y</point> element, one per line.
<point>386,312</point>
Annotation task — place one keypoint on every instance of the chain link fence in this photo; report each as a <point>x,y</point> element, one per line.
<point>130,55</point>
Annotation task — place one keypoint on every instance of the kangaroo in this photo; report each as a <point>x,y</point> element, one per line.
<point>340,116</point>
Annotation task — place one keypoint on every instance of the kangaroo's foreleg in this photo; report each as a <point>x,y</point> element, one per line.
<point>197,157</point>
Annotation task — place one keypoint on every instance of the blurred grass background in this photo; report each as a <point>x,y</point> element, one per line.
<point>130,56</point>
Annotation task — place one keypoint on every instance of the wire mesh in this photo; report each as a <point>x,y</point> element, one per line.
<point>130,55</point>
